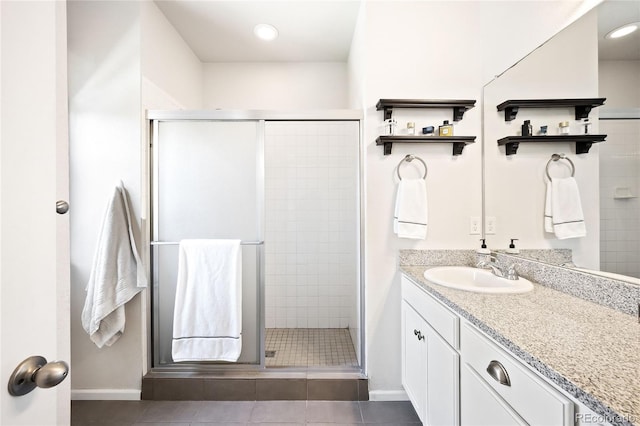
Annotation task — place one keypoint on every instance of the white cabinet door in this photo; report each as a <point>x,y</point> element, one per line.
<point>480,405</point>
<point>430,372</point>
<point>414,359</point>
<point>442,382</point>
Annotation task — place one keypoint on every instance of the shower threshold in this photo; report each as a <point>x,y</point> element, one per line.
<point>257,385</point>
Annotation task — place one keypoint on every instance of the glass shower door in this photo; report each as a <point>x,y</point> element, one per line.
<point>207,183</point>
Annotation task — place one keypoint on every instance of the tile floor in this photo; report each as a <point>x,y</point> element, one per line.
<point>219,413</point>
<point>309,347</point>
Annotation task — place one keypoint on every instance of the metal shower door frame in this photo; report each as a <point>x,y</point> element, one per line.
<point>155,117</point>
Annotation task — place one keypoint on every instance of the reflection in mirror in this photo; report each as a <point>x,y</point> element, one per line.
<point>579,62</point>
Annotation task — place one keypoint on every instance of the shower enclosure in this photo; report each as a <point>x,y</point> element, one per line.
<point>289,188</point>
<point>619,185</point>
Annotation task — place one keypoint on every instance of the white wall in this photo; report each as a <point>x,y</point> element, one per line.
<point>278,86</point>
<point>112,79</point>
<point>620,83</point>
<point>169,66</point>
<point>105,132</point>
<point>431,50</point>
<point>515,185</point>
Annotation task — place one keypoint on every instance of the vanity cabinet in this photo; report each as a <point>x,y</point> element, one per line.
<point>454,374</point>
<point>429,361</point>
<point>498,389</point>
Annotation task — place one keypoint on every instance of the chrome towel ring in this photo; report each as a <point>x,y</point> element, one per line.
<point>409,158</point>
<point>556,157</point>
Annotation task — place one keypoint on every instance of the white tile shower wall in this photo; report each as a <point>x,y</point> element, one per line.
<point>620,217</point>
<point>311,175</point>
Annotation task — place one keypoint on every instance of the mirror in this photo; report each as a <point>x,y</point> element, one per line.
<point>578,62</point>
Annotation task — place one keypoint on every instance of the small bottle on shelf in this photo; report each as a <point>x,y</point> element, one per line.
<point>446,129</point>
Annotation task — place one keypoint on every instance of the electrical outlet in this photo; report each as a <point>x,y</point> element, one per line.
<point>474,225</point>
<point>490,225</point>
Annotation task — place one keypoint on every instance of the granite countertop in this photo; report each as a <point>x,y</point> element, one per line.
<point>589,350</point>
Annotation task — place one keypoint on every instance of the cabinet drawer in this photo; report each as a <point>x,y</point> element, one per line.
<point>443,321</point>
<point>537,402</point>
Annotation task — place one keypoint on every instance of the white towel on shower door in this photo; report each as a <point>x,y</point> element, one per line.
<point>116,276</point>
<point>207,319</point>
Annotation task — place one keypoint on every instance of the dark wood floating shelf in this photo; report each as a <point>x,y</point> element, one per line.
<point>582,105</point>
<point>460,106</point>
<point>458,142</point>
<point>583,142</point>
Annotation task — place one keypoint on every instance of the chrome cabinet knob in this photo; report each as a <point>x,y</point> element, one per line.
<point>35,372</point>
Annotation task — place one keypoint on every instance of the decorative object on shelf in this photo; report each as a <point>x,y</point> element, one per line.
<point>429,130</point>
<point>582,106</point>
<point>543,130</point>
<point>411,128</point>
<point>563,127</point>
<point>583,142</point>
<point>459,106</point>
<point>527,128</point>
<point>586,123</point>
<point>390,126</point>
<point>458,142</point>
<point>446,129</point>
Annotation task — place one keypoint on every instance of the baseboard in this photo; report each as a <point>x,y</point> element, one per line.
<point>105,394</point>
<point>386,395</point>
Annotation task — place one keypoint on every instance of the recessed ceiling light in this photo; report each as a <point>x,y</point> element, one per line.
<point>623,30</point>
<point>265,32</point>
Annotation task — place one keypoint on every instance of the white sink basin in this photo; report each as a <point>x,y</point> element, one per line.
<point>476,280</point>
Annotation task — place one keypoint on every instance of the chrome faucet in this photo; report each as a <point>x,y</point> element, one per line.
<point>511,273</point>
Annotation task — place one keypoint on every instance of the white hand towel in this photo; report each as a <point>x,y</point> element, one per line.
<point>207,318</point>
<point>410,218</point>
<point>566,209</point>
<point>116,276</point>
<point>548,218</point>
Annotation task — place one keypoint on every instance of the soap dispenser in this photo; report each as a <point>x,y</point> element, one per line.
<point>483,248</point>
<point>512,247</point>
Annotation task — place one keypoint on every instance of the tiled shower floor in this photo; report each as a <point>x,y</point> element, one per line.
<point>309,347</point>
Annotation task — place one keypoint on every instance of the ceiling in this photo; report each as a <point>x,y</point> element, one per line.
<point>222,31</point>
<point>322,30</point>
<point>611,15</point>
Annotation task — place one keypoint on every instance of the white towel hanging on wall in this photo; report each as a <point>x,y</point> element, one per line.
<point>563,214</point>
<point>410,219</point>
<point>411,212</point>
<point>117,273</point>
